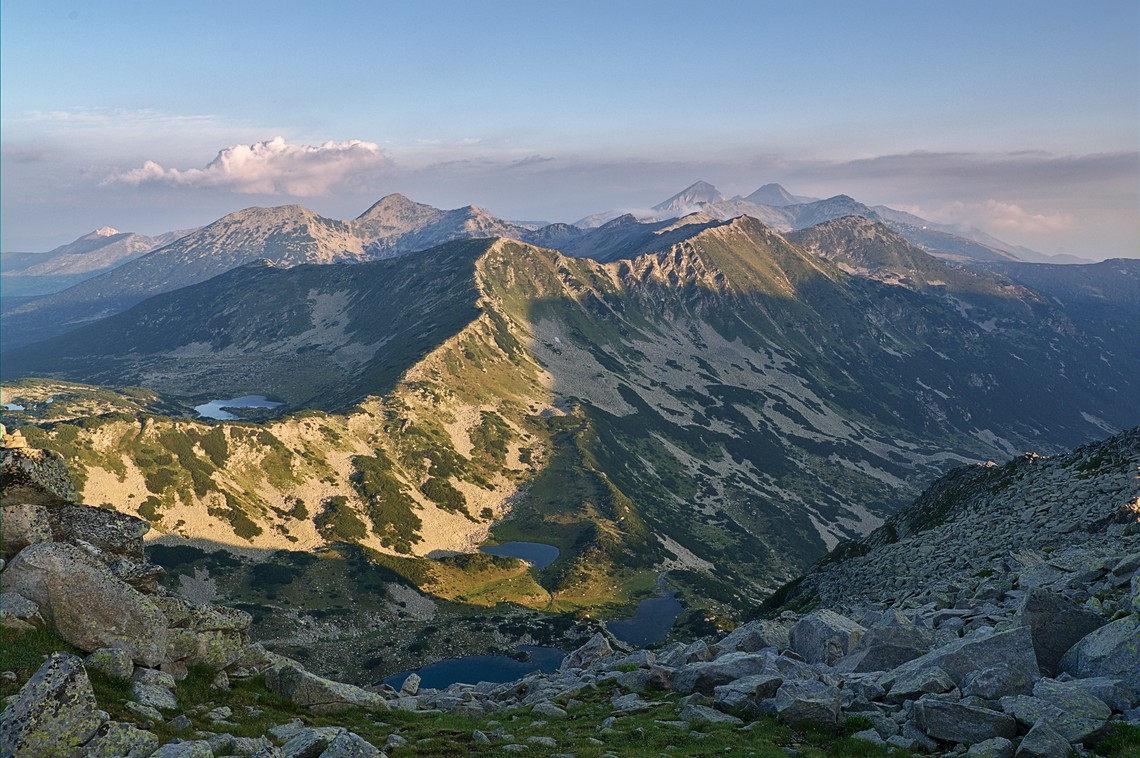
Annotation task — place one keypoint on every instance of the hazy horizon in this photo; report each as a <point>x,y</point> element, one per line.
<point>1020,119</point>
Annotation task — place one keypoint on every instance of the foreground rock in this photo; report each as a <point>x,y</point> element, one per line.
<point>53,713</point>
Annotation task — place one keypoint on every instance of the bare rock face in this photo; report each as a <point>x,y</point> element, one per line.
<point>113,532</point>
<point>54,713</point>
<point>23,524</point>
<point>317,693</point>
<point>87,604</point>
<point>39,477</point>
<point>824,636</point>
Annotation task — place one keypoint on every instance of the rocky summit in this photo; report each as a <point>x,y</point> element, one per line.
<point>998,615</point>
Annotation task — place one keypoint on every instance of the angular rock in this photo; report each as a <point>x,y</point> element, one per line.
<point>153,688</point>
<point>116,533</point>
<point>995,747</point>
<point>882,648</point>
<point>310,742</point>
<point>54,712</point>
<point>350,745</point>
<point>824,636</point>
<point>39,477</point>
<point>549,710</point>
<point>1055,625</point>
<point>973,653</point>
<point>1043,741</point>
<point>112,661</point>
<point>88,606</point>
<point>23,524</point>
<point>756,635</point>
<point>808,701</point>
<point>18,613</point>
<point>702,714</point>
<point>1029,710</point>
<point>706,676</point>
<point>915,684</point>
<point>597,648</point>
<point>746,693</point>
<point>118,740</point>
<point>411,685</point>
<point>962,724</point>
<point>1111,692</point>
<point>997,682</point>
<point>188,749</point>
<point>317,693</point>
<point>1112,650</point>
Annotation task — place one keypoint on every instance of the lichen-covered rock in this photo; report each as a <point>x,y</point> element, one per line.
<point>53,713</point>
<point>745,694</point>
<point>39,477</point>
<point>18,613</point>
<point>702,714</point>
<point>1043,741</point>
<point>595,649</point>
<point>317,693</point>
<point>882,648</point>
<point>88,606</point>
<point>962,724</point>
<point>23,524</point>
<point>995,747</point>
<point>116,533</point>
<point>188,749</point>
<point>1055,624</point>
<point>756,635</point>
<point>118,740</point>
<point>154,688</point>
<point>824,636</point>
<point>974,653</point>
<point>704,677</point>
<point>112,661</point>
<point>1112,650</point>
<point>350,745</point>
<point>808,702</point>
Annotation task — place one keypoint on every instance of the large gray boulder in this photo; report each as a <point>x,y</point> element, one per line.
<point>882,648</point>
<point>317,693</point>
<point>705,677</point>
<point>53,713</point>
<point>808,701</point>
<point>962,724</point>
<point>33,476</point>
<point>973,653</point>
<point>824,636</point>
<point>23,524</point>
<point>745,694</point>
<point>116,533</point>
<point>1112,650</point>
<point>86,603</point>
<point>1073,726</point>
<point>1055,624</point>
<point>1043,741</point>
<point>597,648</point>
<point>756,635</point>
<point>118,740</point>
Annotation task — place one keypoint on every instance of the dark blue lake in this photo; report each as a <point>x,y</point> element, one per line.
<point>651,621</point>
<point>215,408</point>
<point>535,553</point>
<point>472,669</point>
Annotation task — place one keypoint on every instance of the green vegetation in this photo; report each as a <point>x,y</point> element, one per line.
<point>387,503</point>
<point>338,522</point>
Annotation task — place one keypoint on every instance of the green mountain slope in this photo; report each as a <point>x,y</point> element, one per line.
<point>729,407</point>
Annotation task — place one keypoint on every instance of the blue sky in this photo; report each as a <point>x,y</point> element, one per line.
<point>1022,118</point>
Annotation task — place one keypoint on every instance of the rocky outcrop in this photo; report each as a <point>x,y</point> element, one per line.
<point>54,713</point>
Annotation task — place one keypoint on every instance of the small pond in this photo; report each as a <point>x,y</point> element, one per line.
<point>13,407</point>
<point>651,621</point>
<point>472,669</point>
<point>215,408</point>
<point>535,553</point>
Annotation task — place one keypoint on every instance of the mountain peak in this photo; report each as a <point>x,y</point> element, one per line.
<point>772,194</point>
<point>104,231</point>
<point>690,199</point>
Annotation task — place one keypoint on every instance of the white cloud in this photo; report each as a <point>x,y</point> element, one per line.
<point>272,167</point>
<point>1000,217</point>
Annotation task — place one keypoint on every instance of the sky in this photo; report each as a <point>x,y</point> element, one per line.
<point>1019,118</point>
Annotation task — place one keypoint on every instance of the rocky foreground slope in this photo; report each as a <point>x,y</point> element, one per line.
<point>998,616</point>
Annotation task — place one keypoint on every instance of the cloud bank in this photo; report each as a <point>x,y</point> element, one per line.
<point>272,167</point>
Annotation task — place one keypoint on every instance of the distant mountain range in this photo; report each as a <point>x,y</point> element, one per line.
<point>112,271</point>
<point>31,274</point>
<point>730,404</point>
